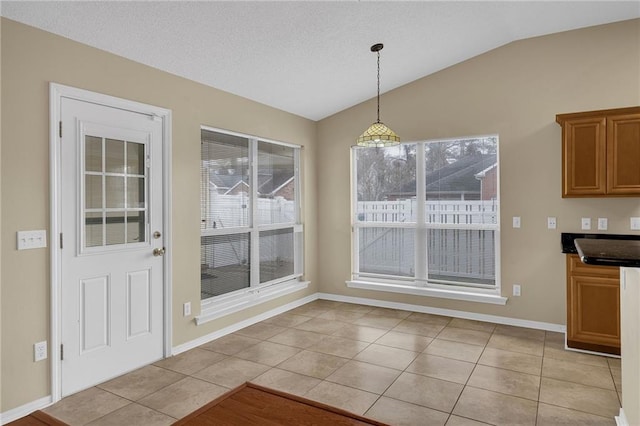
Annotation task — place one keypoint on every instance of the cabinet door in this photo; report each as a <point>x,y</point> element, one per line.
<point>594,314</point>
<point>623,154</point>
<point>584,157</point>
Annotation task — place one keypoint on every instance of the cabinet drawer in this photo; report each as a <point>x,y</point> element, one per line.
<point>576,267</point>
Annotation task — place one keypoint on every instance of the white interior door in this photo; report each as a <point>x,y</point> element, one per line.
<point>112,276</point>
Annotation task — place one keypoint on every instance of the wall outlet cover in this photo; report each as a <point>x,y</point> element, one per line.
<point>586,223</point>
<point>552,222</point>
<point>516,221</point>
<point>40,351</point>
<point>635,223</point>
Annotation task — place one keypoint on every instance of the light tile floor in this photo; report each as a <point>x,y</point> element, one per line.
<point>395,366</point>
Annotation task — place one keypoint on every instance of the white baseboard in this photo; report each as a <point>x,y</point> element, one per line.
<point>446,312</point>
<point>242,324</point>
<point>621,419</point>
<point>25,410</point>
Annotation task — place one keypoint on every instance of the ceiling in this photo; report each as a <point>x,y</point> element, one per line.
<point>305,57</point>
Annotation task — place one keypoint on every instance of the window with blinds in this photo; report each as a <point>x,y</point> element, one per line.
<point>426,214</point>
<point>251,234</point>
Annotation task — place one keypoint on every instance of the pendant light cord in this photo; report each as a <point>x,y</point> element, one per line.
<point>378,52</point>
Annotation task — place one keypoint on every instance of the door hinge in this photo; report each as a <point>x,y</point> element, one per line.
<point>60,128</point>
<point>61,352</point>
<point>61,240</point>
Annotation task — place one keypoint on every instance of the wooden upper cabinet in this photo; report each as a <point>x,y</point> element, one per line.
<point>584,157</point>
<point>623,154</point>
<point>601,153</point>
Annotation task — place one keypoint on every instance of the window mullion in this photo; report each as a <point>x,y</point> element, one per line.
<point>355,231</point>
<point>253,219</point>
<point>421,229</point>
<point>297,186</point>
<point>298,241</point>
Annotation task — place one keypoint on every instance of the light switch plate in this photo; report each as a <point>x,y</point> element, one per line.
<point>586,223</point>
<point>516,221</point>
<point>186,309</point>
<point>603,223</point>
<point>31,239</point>
<point>635,223</point>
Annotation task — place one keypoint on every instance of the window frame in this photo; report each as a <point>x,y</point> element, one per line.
<point>419,283</point>
<point>258,292</point>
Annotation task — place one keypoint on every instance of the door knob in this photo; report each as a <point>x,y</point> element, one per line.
<point>158,251</point>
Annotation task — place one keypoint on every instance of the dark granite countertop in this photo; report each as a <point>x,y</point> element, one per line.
<point>609,252</point>
<point>567,238</point>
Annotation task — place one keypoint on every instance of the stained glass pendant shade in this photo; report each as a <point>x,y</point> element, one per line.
<point>378,134</point>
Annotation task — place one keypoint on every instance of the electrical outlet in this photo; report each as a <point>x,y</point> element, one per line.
<point>186,309</point>
<point>40,351</point>
<point>603,223</point>
<point>635,223</point>
<point>516,289</point>
<point>516,221</point>
<point>551,223</point>
<point>586,223</point>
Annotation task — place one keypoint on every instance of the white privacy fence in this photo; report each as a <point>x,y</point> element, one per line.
<point>476,212</point>
<point>460,238</point>
<point>232,211</point>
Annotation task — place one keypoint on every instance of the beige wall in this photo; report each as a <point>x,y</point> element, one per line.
<point>0,212</point>
<point>30,60</point>
<point>515,91</point>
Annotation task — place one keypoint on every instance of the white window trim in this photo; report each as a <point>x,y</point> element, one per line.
<point>411,285</point>
<point>220,306</point>
<point>257,293</point>
<point>455,293</point>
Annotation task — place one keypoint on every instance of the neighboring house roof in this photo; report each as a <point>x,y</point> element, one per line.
<point>458,177</point>
<point>275,191</point>
<point>269,183</point>
<point>242,182</point>
<point>484,172</point>
<point>224,181</point>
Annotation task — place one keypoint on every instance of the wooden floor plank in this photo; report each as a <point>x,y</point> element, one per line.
<point>253,405</point>
<point>37,418</point>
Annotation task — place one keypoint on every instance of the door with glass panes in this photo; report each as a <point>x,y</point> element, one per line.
<point>111,257</point>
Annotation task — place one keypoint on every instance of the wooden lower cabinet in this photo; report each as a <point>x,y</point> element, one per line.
<point>593,307</point>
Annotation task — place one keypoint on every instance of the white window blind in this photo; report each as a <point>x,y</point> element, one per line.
<point>225,182</point>
<point>251,235</point>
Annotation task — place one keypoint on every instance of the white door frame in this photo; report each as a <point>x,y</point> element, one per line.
<point>56,93</point>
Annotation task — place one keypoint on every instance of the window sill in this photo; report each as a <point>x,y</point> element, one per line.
<point>225,305</point>
<point>430,292</point>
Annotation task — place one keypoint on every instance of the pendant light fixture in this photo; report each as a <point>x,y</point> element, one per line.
<point>378,134</point>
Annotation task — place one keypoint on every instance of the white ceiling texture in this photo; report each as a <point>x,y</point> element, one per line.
<point>306,57</point>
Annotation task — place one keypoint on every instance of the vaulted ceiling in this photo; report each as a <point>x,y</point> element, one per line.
<point>305,57</point>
